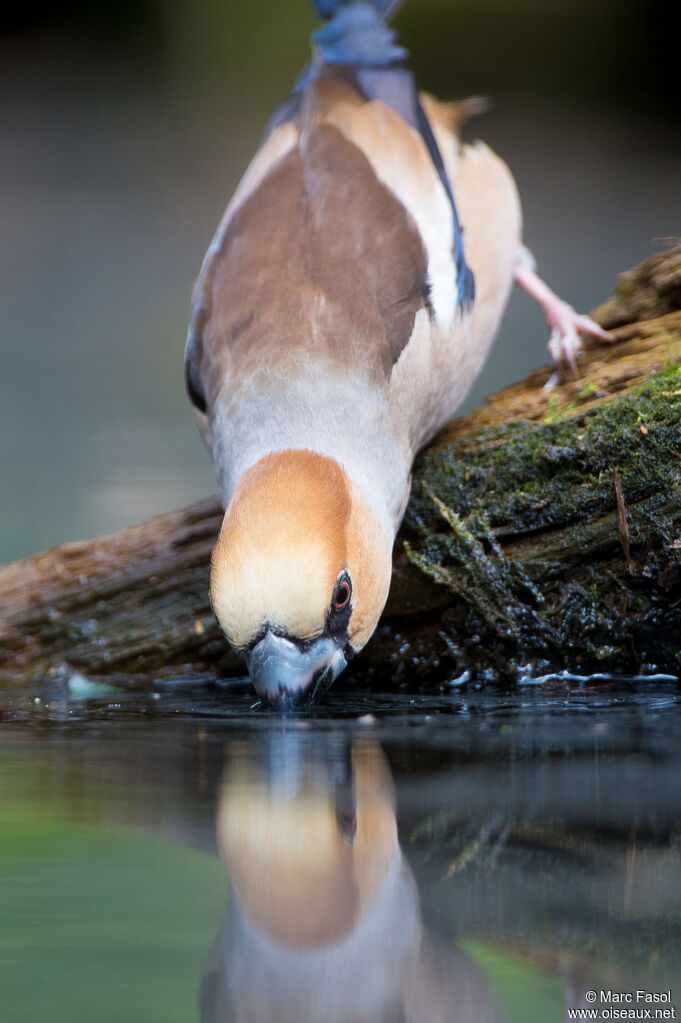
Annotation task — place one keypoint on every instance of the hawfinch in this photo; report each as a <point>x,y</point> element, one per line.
<point>323,918</point>
<point>340,317</point>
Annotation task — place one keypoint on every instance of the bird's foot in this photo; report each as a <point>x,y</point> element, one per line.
<point>565,324</point>
<point>567,328</point>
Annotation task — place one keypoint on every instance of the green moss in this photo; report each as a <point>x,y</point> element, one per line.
<point>558,473</point>
<point>551,488</point>
<point>588,391</point>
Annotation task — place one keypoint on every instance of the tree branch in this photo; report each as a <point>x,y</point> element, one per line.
<point>512,551</point>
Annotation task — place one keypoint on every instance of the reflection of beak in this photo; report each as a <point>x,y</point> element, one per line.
<point>284,673</point>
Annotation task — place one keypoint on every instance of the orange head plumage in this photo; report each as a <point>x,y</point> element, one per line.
<point>300,573</point>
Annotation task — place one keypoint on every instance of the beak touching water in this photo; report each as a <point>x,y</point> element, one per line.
<point>299,575</point>
<point>284,672</point>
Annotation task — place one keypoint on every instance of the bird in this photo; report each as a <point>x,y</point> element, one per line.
<point>346,304</point>
<point>323,919</point>
<point>307,831</point>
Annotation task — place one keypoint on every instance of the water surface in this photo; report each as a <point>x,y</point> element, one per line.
<point>474,856</point>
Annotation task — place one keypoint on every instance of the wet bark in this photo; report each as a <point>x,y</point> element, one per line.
<point>543,533</point>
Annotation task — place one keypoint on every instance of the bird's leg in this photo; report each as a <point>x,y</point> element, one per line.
<point>565,324</point>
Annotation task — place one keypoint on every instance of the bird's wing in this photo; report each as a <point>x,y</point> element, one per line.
<point>338,235</point>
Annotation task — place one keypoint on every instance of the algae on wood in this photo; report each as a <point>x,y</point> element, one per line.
<point>554,517</point>
<point>543,533</point>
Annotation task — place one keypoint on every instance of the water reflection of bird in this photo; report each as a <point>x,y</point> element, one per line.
<point>338,321</point>
<point>323,922</point>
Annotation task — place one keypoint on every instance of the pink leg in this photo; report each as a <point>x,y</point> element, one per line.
<point>564,323</point>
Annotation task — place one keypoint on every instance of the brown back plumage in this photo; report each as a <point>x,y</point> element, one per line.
<point>320,258</point>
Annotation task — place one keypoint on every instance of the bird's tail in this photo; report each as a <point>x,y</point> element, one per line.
<point>355,33</point>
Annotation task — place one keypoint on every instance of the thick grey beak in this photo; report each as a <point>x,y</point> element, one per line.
<point>286,675</point>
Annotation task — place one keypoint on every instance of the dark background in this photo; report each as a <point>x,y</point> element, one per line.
<point>125,128</point>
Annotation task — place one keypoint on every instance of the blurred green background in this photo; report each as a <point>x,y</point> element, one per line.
<point>125,127</point>
<point>112,892</point>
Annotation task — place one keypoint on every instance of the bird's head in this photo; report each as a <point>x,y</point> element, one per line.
<point>300,574</point>
<point>309,843</point>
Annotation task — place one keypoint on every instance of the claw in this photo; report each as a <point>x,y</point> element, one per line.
<point>564,347</point>
<point>566,325</point>
<point>585,325</point>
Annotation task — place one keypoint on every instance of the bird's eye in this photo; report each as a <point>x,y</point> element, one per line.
<point>342,594</point>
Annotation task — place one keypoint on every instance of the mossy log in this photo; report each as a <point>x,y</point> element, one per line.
<point>543,534</point>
